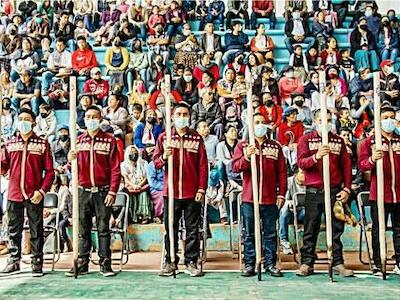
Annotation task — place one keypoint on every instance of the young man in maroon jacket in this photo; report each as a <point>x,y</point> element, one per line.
<point>27,159</point>
<point>272,183</point>
<point>190,176</point>
<point>310,152</point>
<point>390,154</point>
<point>99,178</point>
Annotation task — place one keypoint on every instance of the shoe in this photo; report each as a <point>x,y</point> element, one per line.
<point>273,271</point>
<point>192,270</point>
<point>248,271</point>
<point>105,268</point>
<point>224,221</point>
<point>396,270</point>
<point>342,271</point>
<point>305,270</point>
<point>37,270</point>
<point>376,270</point>
<point>286,247</point>
<point>168,269</point>
<point>11,268</point>
<point>69,245</point>
<point>83,269</point>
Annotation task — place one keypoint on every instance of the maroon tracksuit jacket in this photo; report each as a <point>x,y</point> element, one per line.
<point>190,172</point>
<point>271,171</point>
<point>26,162</point>
<point>339,161</point>
<point>391,165</point>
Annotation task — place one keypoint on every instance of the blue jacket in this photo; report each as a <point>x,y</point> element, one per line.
<point>394,41</point>
<point>156,131</point>
<point>239,41</point>
<point>219,6</point>
<point>155,178</point>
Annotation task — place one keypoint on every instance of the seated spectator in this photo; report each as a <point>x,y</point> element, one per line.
<point>6,85</point>
<point>58,93</point>
<point>312,85</point>
<point>138,17</point>
<point>237,9</point>
<point>304,113</point>
<point>60,58</point>
<point>46,123</point>
<point>289,84</point>
<point>297,31</point>
<point>7,10</point>
<point>210,141</point>
<point>344,120</point>
<point>361,85</point>
<point>175,18</point>
<point>291,6</point>
<point>208,110</point>
<point>388,41</point>
<point>321,29</point>
<point>187,87</point>
<point>155,19</point>
<point>124,30</point>
<point>363,47</point>
<point>83,58</point>
<point>389,83</point>
<point>338,84</point>
<point>20,23</point>
<point>239,93</point>
<point>47,10</point>
<point>225,150</point>
<point>158,44</point>
<point>214,195</point>
<point>216,10</point>
<point>97,86</point>
<point>155,178</point>
<point>262,43</point>
<point>263,9</point>
<point>362,113</point>
<point>134,173</point>
<point>25,59</point>
<point>85,101</point>
<point>235,42</point>
<point>202,13</point>
<point>271,111</point>
<point>266,83</point>
<point>330,55</point>
<point>347,65</point>
<point>373,19</point>
<point>299,63</point>
<point>210,43</point>
<point>206,66</point>
<point>187,48</point>
<point>115,115</point>
<point>313,59</point>
<point>138,94</point>
<point>147,133</point>
<point>157,98</point>
<point>207,81</point>
<point>38,30</point>
<point>117,61</point>
<point>341,8</point>
<point>60,149</point>
<point>108,19</point>
<point>80,29</point>
<point>225,87</point>
<point>295,185</point>
<point>237,64</point>
<point>9,119</point>
<point>84,9</point>
<point>65,30</point>
<point>253,67</point>
<point>26,91</point>
<point>26,8</point>
<point>138,63</point>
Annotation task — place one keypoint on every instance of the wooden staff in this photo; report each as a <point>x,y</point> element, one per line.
<point>170,171</point>
<point>326,175</point>
<point>254,181</point>
<point>74,171</point>
<point>379,174</point>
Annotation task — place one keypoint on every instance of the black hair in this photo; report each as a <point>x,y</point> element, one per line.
<point>60,39</point>
<point>65,13</point>
<point>27,111</point>
<point>137,107</point>
<point>94,107</point>
<point>81,37</point>
<point>182,104</point>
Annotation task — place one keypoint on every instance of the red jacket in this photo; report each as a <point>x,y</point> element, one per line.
<point>176,97</point>
<point>292,134</point>
<point>274,117</point>
<point>91,86</point>
<point>30,166</point>
<point>339,161</point>
<point>263,6</point>
<point>198,72</point>
<point>83,59</point>
<point>391,167</point>
<point>271,173</point>
<point>104,168</point>
<point>190,172</point>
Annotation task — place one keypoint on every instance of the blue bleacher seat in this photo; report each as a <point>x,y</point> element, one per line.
<point>62,116</point>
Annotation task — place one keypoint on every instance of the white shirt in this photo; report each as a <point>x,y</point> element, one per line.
<point>209,43</point>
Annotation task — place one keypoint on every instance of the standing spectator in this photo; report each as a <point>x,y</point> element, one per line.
<point>26,91</point>
<point>175,18</point>
<point>117,61</point>
<point>96,86</point>
<point>155,178</point>
<point>263,9</point>
<point>83,58</point>
<point>65,29</point>
<point>216,11</point>
<point>237,9</point>
<point>235,42</point>
<point>388,41</point>
<point>210,43</point>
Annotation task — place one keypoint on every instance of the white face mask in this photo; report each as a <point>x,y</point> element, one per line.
<point>260,130</point>
<point>24,127</point>
<point>296,15</point>
<point>181,123</point>
<point>390,70</point>
<point>319,127</point>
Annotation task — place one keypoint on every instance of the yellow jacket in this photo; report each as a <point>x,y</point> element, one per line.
<point>125,57</point>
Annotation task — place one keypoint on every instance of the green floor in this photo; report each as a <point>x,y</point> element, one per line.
<point>134,285</point>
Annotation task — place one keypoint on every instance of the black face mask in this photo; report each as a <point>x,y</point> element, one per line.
<point>134,157</point>
<point>299,103</point>
<point>44,115</point>
<point>151,120</point>
<point>385,24</point>
<point>7,105</point>
<point>269,103</point>
<point>364,27</point>
<point>64,138</point>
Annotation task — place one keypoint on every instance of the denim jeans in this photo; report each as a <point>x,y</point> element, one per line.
<point>220,18</point>
<point>35,102</point>
<point>391,54</point>
<point>285,218</point>
<point>174,29</point>
<point>309,40</point>
<point>255,16</point>
<point>268,216</point>
<point>366,59</point>
<point>229,54</point>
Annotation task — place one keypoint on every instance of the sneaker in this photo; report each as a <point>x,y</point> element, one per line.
<point>396,270</point>
<point>168,269</point>
<point>273,271</point>
<point>192,270</point>
<point>342,271</point>
<point>305,270</point>
<point>11,268</point>
<point>37,270</point>
<point>286,247</point>
<point>376,270</point>
<point>105,268</point>
<point>248,271</point>
<point>83,269</point>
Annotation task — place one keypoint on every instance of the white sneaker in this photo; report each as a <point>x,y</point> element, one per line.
<point>396,270</point>
<point>286,247</point>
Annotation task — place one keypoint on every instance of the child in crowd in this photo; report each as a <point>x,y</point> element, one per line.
<point>299,62</point>
<point>347,65</point>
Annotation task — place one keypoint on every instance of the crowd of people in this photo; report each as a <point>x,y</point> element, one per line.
<point>43,44</point>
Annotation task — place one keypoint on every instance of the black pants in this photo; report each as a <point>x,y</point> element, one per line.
<point>16,226</point>
<point>192,212</point>
<point>314,207</point>
<point>92,204</point>
<point>394,210</point>
<point>230,16</point>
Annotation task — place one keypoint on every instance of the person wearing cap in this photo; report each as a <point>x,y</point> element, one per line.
<point>46,123</point>
<point>363,47</point>
<point>389,83</point>
<point>367,160</point>
<point>96,86</point>
<point>83,58</point>
<point>235,42</point>
<point>99,178</point>
<point>27,91</point>
<point>388,41</point>
<point>271,184</point>
<point>310,153</point>
<point>58,93</point>
<point>28,161</point>
<point>288,85</point>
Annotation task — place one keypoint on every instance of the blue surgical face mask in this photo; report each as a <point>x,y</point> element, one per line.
<point>318,127</point>
<point>369,76</point>
<point>260,130</point>
<point>24,127</point>
<point>181,123</point>
<point>368,13</point>
<point>388,125</point>
<point>397,130</point>
<point>92,124</point>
